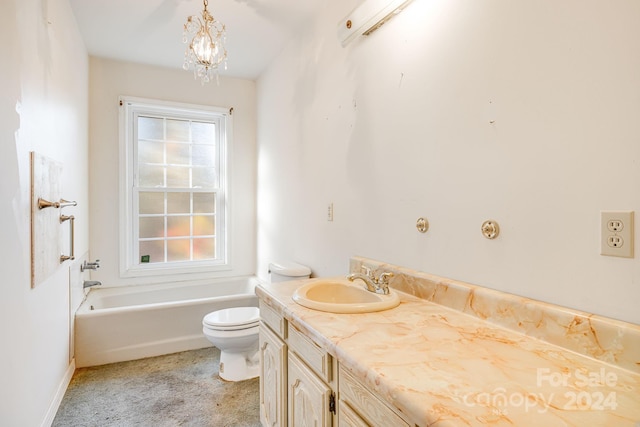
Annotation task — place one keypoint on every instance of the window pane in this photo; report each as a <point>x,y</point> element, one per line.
<point>178,250</point>
<point>150,152</point>
<point>204,225</point>
<point>153,249</point>
<point>178,203</point>
<point>150,176</point>
<point>204,203</point>
<point>151,227</point>
<point>204,248</point>
<point>151,203</point>
<point>178,226</point>
<point>178,154</point>
<point>178,177</point>
<point>204,178</point>
<point>177,130</point>
<point>203,132</point>
<point>203,155</point>
<point>150,128</point>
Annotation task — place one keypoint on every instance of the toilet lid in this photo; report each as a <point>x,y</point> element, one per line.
<point>232,318</point>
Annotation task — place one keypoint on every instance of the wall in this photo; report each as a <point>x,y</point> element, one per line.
<point>44,86</point>
<point>460,111</point>
<point>111,79</point>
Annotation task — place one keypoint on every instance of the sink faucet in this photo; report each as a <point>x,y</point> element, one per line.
<point>378,285</point>
<point>369,282</point>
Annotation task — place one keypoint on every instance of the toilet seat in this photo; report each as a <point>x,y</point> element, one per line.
<point>232,319</point>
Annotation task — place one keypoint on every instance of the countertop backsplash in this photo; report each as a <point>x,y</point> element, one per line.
<point>607,340</point>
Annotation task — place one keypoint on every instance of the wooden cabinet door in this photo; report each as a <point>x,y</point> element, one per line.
<point>308,396</point>
<point>273,377</point>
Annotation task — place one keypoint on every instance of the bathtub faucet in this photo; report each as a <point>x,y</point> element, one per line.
<point>90,283</point>
<point>90,265</point>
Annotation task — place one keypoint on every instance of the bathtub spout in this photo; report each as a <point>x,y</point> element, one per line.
<point>90,283</point>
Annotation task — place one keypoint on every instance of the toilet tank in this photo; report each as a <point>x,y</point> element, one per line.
<point>287,270</point>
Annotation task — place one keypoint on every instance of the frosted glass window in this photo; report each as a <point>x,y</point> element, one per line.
<point>152,251</point>
<point>178,154</point>
<point>204,225</point>
<point>151,203</point>
<point>178,203</point>
<point>203,248</point>
<point>204,203</point>
<point>178,130</point>
<point>204,178</point>
<point>204,155</point>
<point>151,176</point>
<point>176,184</point>
<point>178,177</point>
<point>178,226</point>
<point>178,250</point>
<point>150,128</point>
<point>150,152</point>
<point>203,132</point>
<point>151,227</point>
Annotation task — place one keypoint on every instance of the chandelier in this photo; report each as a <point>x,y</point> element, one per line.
<point>206,51</point>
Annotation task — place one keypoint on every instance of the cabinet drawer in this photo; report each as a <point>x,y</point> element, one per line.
<point>370,407</point>
<point>348,417</point>
<point>274,320</point>
<point>313,355</point>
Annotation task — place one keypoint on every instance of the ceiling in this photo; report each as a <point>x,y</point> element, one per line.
<point>150,31</point>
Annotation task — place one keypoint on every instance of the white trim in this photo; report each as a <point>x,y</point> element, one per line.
<point>128,267</point>
<point>57,398</point>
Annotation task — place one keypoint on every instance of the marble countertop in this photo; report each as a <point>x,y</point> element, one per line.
<point>441,367</point>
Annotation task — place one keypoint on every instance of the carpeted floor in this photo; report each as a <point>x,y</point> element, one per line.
<point>181,389</point>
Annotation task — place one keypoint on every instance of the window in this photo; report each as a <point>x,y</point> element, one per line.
<point>174,192</point>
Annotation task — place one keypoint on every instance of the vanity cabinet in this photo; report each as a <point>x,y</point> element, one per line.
<point>299,382</point>
<point>296,376</point>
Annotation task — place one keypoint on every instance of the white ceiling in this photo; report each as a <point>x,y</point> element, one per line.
<point>150,31</point>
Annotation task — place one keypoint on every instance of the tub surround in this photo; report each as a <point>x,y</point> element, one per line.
<point>454,354</point>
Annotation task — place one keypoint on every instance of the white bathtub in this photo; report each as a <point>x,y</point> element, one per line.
<point>132,322</point>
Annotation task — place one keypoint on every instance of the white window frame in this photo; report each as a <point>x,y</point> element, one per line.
<point>130,108</point>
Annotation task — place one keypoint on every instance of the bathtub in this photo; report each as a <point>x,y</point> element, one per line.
<point>132,322</point>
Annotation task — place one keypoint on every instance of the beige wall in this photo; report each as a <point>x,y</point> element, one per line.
<point>43,108</point>
<point>111,79</point>
<point>399,125</point>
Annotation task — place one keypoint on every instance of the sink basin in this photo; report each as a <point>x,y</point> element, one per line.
<point>342,296</point>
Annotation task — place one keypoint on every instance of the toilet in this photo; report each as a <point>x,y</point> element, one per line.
<point>235,330</point>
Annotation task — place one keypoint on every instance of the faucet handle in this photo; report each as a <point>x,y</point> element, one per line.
<point>365,270</point>
<point>384,277</point>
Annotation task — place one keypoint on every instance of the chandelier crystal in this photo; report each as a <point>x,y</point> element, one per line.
<point>206,51</point>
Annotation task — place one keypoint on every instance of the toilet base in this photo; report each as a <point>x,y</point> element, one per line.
<point>239,366</point>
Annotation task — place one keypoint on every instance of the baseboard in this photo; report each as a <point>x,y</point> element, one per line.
<point>57,399</point>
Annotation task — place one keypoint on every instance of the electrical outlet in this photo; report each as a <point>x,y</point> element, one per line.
<point>615,225</point>
<point>616,233</point>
